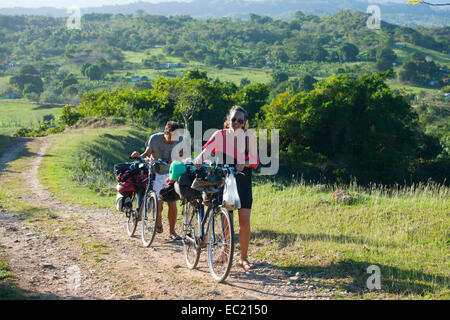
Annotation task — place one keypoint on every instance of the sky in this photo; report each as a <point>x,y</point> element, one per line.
<point>98,3</point>
<point>70,3</point>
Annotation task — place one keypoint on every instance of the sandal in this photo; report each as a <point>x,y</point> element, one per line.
<point>247,266</point>
<point>159,229</point>
<point>174,237</point>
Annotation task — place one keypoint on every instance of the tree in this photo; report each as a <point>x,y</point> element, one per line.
<point>104,65</point>
<point>69,80</point>
<point>244,82</point>
<point>278,77</point>
<point>196,74</point>
<point>30,88</point>
<point>84,67</point>
<point>306,82</point>
<point>94,72</point>
<point>348,52</point>
<point>69,116</point>
<point>252,97</point>
<point>385,57</point>
<point>28,75</point>
<point>346,127</point>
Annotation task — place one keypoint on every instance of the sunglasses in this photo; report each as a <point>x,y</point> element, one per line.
<point>241,121</point>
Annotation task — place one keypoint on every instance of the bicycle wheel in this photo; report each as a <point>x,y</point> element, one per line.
<point>220,244</point>
<point>132,219</point>
<point>149,218</point>
<point>190,239</point>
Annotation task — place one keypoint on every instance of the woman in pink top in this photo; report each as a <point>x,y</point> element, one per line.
<point>236,145</point>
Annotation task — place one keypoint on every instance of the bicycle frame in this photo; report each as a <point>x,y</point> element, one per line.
<point>151,177</point>
<point>203,217</point>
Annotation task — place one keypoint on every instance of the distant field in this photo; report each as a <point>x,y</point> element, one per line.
<point>21,113</point>
<point>395,84</point>
<point>405,53</point>
<point>4,81</point>
<point>226,74</point>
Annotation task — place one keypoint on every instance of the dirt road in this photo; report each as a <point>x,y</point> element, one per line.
<point>80,253</point>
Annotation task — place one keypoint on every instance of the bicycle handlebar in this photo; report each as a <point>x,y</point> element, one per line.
<point>230,169</point>
<point>159,161</point>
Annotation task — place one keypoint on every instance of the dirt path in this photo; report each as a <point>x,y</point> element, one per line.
<point>85,254</point>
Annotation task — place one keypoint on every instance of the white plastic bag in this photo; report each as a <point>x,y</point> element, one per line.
<point>230,194</point>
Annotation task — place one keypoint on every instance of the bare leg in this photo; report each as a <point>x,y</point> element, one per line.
<point>244,237</point>
<point>172,216</point>
<point>244,231</point>
<point>160,209</point>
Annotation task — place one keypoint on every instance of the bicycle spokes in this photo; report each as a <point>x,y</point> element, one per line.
<point>220,245</point>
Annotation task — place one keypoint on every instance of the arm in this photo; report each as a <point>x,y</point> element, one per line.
<point>208,149</point>
<point>202,156</point>
<point>147,153</point>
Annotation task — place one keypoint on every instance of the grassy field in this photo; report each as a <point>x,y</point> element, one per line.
<point>225,74</point>
<point>16,113</point>
<point>297,227</point>
<point>111,145</point>
<point>404,54</point>
<point>4,81</point>
<point>404,232</point>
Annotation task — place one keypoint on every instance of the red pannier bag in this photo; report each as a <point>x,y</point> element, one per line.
<point>129,180</point>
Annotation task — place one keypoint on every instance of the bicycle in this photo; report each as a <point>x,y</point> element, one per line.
<point>218,236</point>
<point>127,198</point>
<point>149,203</point>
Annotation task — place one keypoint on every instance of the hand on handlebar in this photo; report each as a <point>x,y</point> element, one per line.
<point>197,162</point>
<point>135,155</point>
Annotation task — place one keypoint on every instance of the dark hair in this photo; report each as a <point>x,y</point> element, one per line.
<point>226,124</point>
<point>171,126</point>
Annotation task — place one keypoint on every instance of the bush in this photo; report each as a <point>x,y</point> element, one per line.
<point>69,116</point>
<point>41,131</point>
<point>92,172</point>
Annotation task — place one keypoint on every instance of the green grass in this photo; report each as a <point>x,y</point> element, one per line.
<point>299,228</point>
<point>255,75</point>
<point>4,81</point>
<point>22,113</point>
<point>409,89</point>
<point>404,54</point>
<point>112,145</point>
<point>226,74</point>
<point>8,287</point>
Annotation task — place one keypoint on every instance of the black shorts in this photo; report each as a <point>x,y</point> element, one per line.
<point>244,186</point>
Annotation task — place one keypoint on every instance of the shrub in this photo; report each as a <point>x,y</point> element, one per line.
<point>69,116</point>
<point>92,173</point>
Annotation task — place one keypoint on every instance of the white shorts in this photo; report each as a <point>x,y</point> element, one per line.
<point>160,182</point>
